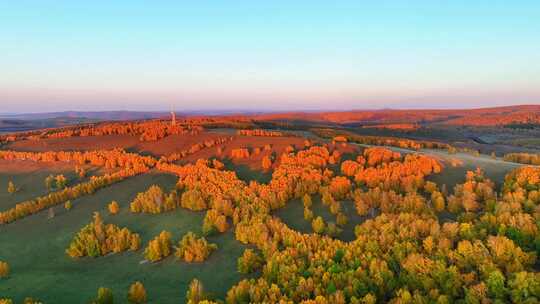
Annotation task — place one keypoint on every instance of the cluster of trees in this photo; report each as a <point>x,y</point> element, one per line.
<point>397,175</point>
<point>193,200</point>
<point>395,126</point>
<point>388,201</point>
<point>377,155</point>
<point>136,295</point>
<point>146,130</point>
<point>523,158</point>
<point>260,132</point>
<point>98,239</point>
<point>116,158</point>
<point>194,249</point>
<point>190,248</point>
<point>381,140</point>
<point>240,153</point>
<point>250,261</point>
<point>55,182</point>
<point>154,200</point>
<point>159,248</point>
<point>214,220</point>
<point>403,254</point>
<point>474,195</point>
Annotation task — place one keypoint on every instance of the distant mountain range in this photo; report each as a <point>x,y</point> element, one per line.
<point>522,114</point>
<point>101,115</point>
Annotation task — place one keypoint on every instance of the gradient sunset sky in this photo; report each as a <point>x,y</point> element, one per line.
<point>267,55</point>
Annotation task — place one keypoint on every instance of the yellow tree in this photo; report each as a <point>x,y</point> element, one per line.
<point>159,247</point>
<point>11,187</point>
<point>137,293</point>
<point>60,181</point>
<point>4,269</point>
<point>318,225</point>
<point>195,293</point>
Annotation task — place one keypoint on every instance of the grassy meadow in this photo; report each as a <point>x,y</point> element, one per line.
<point>35,248</point>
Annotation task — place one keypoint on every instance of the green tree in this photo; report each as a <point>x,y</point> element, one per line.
<point>495,284</point>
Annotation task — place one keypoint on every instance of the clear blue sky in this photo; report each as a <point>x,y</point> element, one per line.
<point>267,55</point>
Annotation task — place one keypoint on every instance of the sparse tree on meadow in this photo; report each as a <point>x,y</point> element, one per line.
<point>60,181</point>
<point>195,293</point>
<point>137,293</point>
<point>4,269</point>
<point>11,187</point>
<point>114,208</point>
<point>104,296</point>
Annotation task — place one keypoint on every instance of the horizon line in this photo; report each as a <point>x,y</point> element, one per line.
<point>277,111</point>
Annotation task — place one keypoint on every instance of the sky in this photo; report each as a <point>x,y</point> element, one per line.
<point>267,55</point>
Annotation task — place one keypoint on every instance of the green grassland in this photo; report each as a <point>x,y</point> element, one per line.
<point>293,215</point>
<point>35,249</point>
<point>32,184</point>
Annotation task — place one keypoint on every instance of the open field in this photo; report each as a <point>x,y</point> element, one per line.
<point>35,246</point>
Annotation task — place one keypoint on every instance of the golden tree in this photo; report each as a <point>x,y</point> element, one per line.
<point>195,293</point>
<point>137,293</point>
<point>11,187</point>
<point>194,249</point>
<point>159,248</point>
<point>114,208</point>
<point>4,269</point>
<point>318,225</point>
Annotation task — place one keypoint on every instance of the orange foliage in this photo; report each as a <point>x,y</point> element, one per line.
<point>98,239</point>
<point>240,153</point>
<point>260,132</point>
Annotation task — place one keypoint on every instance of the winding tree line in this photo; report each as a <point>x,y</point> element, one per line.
<point>260,132</point>
<point>381,140</point>
<point>523,158</point>
<point>195,148</point>
<point>132,164</point>
<point>405,254</point>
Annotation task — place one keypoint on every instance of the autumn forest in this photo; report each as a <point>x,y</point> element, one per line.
<point>271,209</point>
